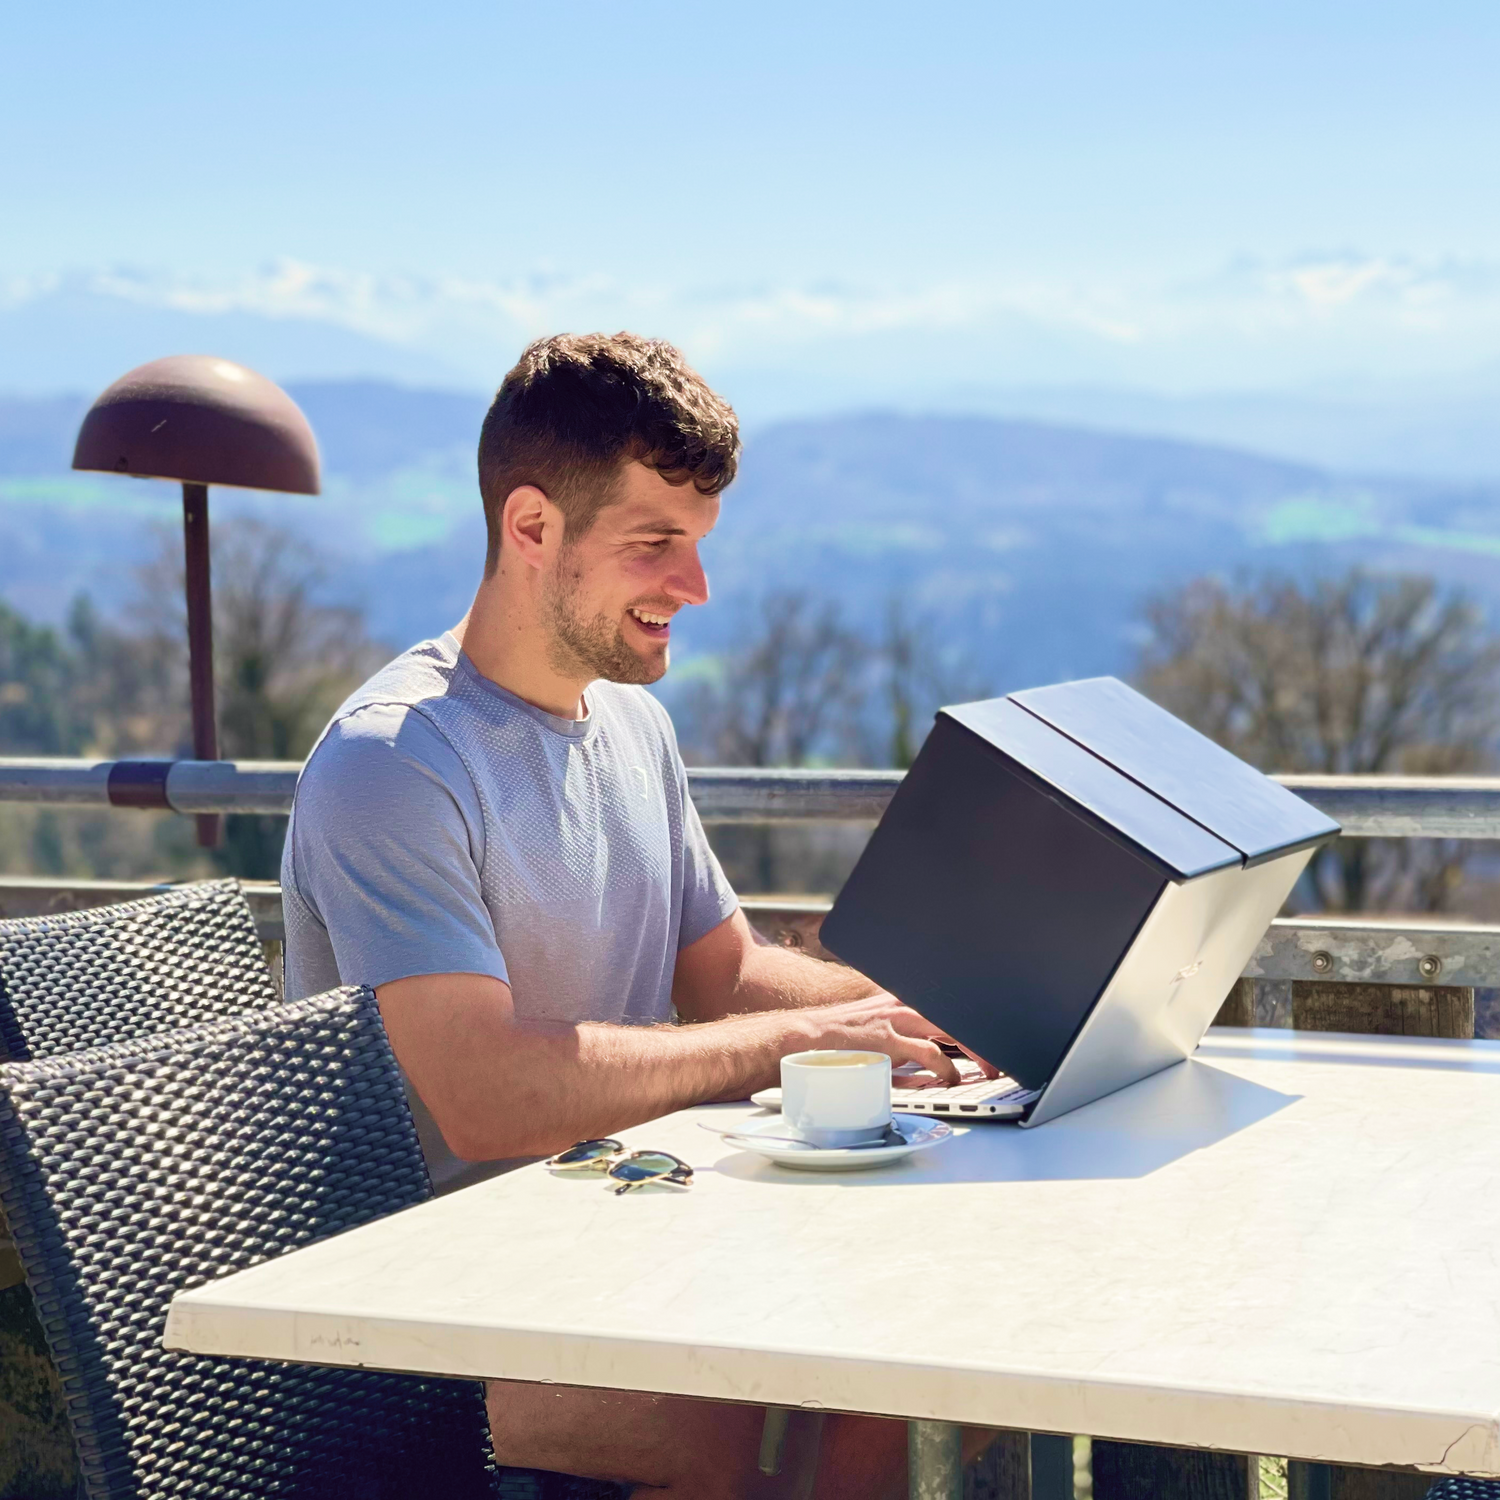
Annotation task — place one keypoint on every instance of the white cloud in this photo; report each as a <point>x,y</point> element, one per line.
<point>1249,323</point>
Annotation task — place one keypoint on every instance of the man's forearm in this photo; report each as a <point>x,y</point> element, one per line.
<point>729,972</point>
<point>782,979</point>
<point>599,1078</point>
<point>498,1086</point>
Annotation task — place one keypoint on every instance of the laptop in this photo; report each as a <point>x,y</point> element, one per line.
<point>1069,881</point>
<point>915,1091</point>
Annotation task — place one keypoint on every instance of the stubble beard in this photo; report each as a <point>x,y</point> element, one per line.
<point>592,646</point>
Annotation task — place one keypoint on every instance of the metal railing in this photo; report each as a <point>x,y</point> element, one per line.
<point>1367,806</point>
<point>1372,950</point>
<point>1369,950</point>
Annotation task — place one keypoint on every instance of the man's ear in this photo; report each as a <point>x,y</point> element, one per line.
<point>527,517</point>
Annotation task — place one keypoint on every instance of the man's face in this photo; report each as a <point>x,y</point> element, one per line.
<point>610,596</point>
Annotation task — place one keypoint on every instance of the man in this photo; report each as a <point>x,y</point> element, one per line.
<point>495,832</point>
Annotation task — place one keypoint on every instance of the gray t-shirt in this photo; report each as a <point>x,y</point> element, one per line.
<point>442,825</point>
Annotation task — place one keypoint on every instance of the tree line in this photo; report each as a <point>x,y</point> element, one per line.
<point>1358,674</point>
<point>1362,674</point>
<point>285,656</point>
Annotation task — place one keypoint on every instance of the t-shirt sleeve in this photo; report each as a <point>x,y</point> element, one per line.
<point>707,896</point>
<point>387,839</point>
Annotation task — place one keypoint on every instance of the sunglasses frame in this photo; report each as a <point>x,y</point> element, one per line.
<point>616,1155</point>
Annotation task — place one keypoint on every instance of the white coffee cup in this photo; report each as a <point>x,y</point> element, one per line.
<point>834,1098</point>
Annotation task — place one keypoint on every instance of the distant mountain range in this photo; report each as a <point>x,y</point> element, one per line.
<point>78,332</point>
<point>1434,430</point>
<point>1028,546</point>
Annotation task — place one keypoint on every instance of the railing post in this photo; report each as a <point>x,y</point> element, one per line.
<point>934,1461</point>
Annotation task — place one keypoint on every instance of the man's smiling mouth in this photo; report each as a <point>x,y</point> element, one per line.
<point>651,621</point>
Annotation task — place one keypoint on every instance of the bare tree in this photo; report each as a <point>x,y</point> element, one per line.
<point>918,671</point>
<point>284,657</point>
<point>789,694</point>
<point>805,687</point>
<point>126,689</point>
<point>1353,675</point>
<point>38,671</point>
<point>86,688</point>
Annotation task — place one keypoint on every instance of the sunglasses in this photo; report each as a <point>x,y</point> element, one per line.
<point>631,1169</point>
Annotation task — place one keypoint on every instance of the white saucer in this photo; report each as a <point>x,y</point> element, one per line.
<point>920,1134</point>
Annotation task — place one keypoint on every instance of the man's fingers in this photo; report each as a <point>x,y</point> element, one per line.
<point>987,1068</point>
<point>911,1022</point>
<point>916,1038</point>
<point>932,1057</point>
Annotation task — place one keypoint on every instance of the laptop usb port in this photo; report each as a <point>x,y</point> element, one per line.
<point>940,1109</point>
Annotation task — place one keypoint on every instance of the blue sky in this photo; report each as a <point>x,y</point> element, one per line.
<point>1163,193</point>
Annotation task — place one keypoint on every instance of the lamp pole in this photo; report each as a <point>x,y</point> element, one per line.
<point>200,629</point>
<point>199,420</point>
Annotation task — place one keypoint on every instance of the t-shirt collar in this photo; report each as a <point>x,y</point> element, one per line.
<point>573,729</point>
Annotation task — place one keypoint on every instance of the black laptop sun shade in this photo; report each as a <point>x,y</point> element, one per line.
<point>1026,847</point>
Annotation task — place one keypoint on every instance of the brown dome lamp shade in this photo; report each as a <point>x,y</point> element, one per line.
<point>203,421</point>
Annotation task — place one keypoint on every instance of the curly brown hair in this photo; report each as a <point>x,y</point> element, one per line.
<point>576,407</point>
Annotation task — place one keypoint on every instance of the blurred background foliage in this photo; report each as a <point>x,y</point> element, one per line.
<point>286,654</point>
<point>1359,673</point>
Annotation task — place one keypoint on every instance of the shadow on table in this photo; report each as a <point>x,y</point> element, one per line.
<point>1191,1107</point>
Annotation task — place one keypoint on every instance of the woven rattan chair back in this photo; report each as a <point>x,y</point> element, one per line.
<point>130,1172</point>
<point>123,972</point>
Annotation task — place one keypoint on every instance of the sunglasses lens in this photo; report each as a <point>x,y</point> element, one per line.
<point>645,1166</point>
<point>585,1153</point>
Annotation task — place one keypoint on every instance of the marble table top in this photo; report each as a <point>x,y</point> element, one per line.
<point>1288,1245</point>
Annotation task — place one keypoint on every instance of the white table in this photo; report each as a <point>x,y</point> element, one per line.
<point>1290,1245</point>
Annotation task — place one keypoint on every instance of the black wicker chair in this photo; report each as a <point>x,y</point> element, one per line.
<point>131,1171</point>
<point>1465,1489</point>
<point>123,972</point>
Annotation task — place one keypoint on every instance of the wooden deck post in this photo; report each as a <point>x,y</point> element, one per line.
<point>1002,1471</point>
<point>1383,1009</point>
<point>1333,1482</point>
<point>1137,1471</point>
<point>1051,1466</point>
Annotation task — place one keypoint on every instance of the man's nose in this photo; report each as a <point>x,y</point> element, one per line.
<point>689,582</point>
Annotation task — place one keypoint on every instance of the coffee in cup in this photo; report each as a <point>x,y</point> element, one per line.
<point>836,1098</point>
